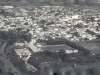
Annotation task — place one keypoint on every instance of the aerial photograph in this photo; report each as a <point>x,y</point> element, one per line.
<point>49,37</point>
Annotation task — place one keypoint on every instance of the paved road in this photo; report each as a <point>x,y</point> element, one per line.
<point>33,47</point>
<point>8,66</point>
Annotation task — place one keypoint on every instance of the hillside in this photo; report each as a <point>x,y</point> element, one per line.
<point>53,2</point>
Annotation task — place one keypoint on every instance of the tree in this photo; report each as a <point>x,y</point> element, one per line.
<point>62,54</point>
<point>27,37</point>
<point>2,11</point>
<point>76,2</point>
<point>86,53</point>
<point>1,71</point>
<point>51,54</point>
<point>9,73</point>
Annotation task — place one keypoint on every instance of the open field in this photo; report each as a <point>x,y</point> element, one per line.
<point>93,46</point>
<point>56,47</point>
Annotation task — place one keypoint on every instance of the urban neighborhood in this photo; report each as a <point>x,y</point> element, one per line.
<point>49,40</point>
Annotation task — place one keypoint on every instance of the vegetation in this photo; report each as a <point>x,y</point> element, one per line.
<point>13,35</point>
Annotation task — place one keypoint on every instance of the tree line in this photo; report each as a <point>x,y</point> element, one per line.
<point>13,35</point>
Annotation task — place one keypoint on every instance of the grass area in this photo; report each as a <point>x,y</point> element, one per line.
<point>56,47</point>
<point>93,46</point>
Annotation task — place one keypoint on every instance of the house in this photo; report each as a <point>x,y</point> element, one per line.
<point>21,44</point>
<point>23,52</point>
<point>8,7</point>
<point>75,17</point>
<point>40,44</point>
<point>71,51</point>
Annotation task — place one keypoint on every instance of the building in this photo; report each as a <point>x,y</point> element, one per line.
<point>71,51</point>
<point>21,44</point>
<point>23,52</point>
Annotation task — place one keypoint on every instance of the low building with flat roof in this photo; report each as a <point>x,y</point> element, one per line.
<point>23,52</point>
